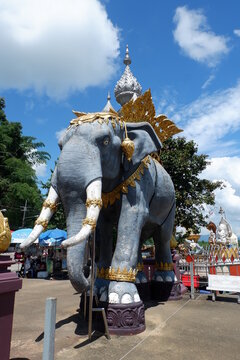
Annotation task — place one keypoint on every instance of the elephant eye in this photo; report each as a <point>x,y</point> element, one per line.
<point>106,141</point>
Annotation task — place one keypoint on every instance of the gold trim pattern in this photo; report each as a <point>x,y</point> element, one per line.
<point>51,205</point>
<point>117,275</point>
<point>111,197</point>
<point>42,222</point>
<point>164,266</point>
<point>90,221</point>
<point>94,202</point>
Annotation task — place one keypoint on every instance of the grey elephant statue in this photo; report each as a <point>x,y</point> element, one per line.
<point>106,177</point>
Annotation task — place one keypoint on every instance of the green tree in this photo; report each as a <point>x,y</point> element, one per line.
<point>179,157</point>
<point>18,182</point>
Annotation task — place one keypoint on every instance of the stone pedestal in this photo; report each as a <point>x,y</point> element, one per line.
<point>126,319</point>
<point>9,284</point>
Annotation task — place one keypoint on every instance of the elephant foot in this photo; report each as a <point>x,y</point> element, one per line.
<point>141,278</point>
<point>164,276</point>
<point>102,289</point>
<point>122,293</point>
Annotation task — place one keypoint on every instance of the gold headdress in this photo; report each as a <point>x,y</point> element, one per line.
<point>142,109</point>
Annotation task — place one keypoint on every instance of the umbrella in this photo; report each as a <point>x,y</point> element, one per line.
<point>20,235</point>
<point>52,237</point>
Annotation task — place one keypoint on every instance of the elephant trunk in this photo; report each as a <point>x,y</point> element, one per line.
<point>77,256</point>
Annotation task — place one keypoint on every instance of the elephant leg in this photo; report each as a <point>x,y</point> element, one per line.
<point>130,225</point>
<point>162,237</point>
<point>141,276</point>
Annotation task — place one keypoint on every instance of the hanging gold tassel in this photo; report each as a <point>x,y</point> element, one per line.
<point>127,146</point>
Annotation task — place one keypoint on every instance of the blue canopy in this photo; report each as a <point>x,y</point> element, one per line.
<point>52,237</point>
<point>20,235</point>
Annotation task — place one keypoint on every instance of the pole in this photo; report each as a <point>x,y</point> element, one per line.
<point>192,280</point>
<point>91,287</point>
<point>49,329</point>
<point>24,213</point>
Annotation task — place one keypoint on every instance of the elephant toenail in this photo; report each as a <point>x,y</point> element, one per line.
<point>136,298</point>
<point>113,298</point>
<point>126,299</point>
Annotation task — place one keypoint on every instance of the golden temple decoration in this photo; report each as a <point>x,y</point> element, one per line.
<point>111,197</point>
<point>142,109</point>
<point>94,202</point>
<point>42,222</point>
<point>164,266</point>
<point>5,233</point>
<point>90,221</point>
<point>117,275</point>
<point>51,205</point>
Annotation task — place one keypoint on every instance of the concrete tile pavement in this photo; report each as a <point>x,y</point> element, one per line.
<point>185,329</point>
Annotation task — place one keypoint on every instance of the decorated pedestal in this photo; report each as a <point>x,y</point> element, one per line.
<point>125,319</point>
<point>9,284</point>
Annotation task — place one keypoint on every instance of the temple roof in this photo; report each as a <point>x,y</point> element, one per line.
<point>108,105</point>
<point>127,87</point>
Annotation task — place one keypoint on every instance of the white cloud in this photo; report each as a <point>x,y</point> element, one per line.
<point>227,170</point>
<point>56,47</point>
<point>224,168</point>
<point>40,169</point>
<point>208,81</point>
<point>210,118</point>
<point>195,38</point>
<point>237,32</point>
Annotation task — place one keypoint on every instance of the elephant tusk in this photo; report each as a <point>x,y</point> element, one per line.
<point>48,210</point>
<point>93,203</point>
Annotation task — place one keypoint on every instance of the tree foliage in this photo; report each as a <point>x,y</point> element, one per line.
<point>179,157</point>
<point>18,182</point>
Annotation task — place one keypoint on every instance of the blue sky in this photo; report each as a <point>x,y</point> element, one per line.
<point>59,55</point>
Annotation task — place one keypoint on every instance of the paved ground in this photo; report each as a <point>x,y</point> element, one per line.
<point>185,329</point>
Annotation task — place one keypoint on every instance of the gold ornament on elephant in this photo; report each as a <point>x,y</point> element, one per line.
<point>117,274</point>
<point>5,233</point>
<point>127,146</point>
<point>142,109</point>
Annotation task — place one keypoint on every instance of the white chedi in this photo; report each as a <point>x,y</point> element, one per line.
<point>225,235</point>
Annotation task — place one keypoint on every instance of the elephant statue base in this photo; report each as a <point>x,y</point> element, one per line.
<point>125,319</point>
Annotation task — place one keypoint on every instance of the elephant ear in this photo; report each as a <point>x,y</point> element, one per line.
<point>145,141</point>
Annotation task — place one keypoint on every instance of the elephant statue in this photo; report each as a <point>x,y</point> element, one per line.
<point>101,184</point>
